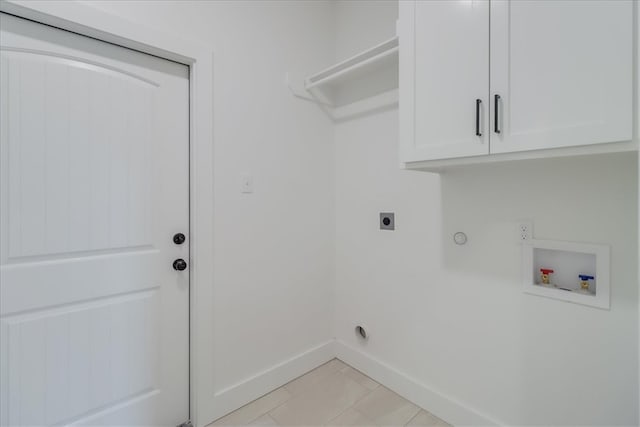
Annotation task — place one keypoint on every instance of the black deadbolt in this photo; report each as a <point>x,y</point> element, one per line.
<point>386,221</point>
<point>179,238</point>
<point>179,264</point>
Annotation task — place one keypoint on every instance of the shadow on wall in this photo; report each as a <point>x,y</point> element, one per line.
<point>574,199</point>
<point>551,351</point>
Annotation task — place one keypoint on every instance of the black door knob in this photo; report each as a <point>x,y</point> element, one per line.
<point>179,264</point>
<point>179,238</point>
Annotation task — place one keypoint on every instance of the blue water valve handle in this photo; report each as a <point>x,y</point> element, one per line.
<point>585,277</point>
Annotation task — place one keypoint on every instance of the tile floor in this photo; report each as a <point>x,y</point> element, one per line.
<point>333,394</point>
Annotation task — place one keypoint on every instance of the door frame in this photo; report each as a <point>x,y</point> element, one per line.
<point>85,20</point>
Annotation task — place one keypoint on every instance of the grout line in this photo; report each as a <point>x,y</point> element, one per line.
<point>420,408</point>
<point>269,413</point>
<point>273,409</point>
<point>305,390</point>
<point>352,406</point>
<point>314,383</point>
<point>253,401</point>
<point>269,410</point>
<point>414,417</point>
<point>271,418</point>
<point>290,393</point>
<point>339,371</point>
<point>262,415</point>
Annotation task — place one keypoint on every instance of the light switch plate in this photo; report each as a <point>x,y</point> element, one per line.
<point>247,184</point>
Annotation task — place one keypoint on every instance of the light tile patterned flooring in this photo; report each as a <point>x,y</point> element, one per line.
<point>334,394</point>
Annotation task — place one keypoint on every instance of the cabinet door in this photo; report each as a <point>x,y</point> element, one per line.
<point>444,70</point>
<point>563,71</point>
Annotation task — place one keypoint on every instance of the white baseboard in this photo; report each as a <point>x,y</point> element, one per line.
<point>240,394</point>
<point>445,407</point>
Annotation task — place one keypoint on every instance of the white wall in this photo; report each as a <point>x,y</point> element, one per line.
<point>637,133</point>
<point>274,253</point>
<point>454,318</point>
<point>361,24</point>
<point>450,318</point>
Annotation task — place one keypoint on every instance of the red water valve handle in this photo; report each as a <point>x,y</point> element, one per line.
<point>546,270</point>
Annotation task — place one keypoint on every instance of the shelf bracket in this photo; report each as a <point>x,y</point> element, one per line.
<point>303,95</point>
<point>340,113</point>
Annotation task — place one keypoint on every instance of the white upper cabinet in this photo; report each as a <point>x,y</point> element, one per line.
<point>447,79</point>
<point>563,71</point>
<point>544,75</point>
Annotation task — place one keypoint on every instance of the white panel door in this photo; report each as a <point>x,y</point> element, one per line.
<point>94,183</point>
<point>563,71</point>
<point>451,53</point>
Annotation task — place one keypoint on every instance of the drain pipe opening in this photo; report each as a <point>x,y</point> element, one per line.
<point>361,332</point>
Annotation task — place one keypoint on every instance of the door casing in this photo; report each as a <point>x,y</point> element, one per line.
<point>88,21</point>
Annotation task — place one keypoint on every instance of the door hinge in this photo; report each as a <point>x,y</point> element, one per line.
<point>185,424</point>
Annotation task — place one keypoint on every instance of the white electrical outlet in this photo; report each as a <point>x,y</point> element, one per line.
<point>524,231</point>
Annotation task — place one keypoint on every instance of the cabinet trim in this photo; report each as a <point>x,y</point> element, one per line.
<point>444,164</point>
